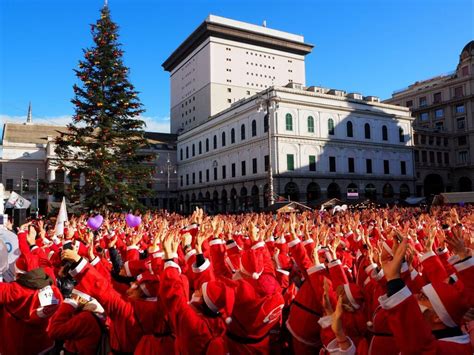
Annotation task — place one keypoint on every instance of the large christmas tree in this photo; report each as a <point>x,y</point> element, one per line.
<point>103,149</point>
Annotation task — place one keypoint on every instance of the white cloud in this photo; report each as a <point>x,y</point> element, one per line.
<point>157,124</point>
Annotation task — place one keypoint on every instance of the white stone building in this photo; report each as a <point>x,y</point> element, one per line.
<point>323,143</point>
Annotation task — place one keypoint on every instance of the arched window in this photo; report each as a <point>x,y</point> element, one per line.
<point>331,127</point>
<point>215,142</point>
<point>187,152</point>
<point>223,139</point>
<point>401,135</point>
<point>232,136</point>
<point>289,122</point>
<point>207,144</point>
<point>200,147</point>
<point>404,191</point>
<point>266,123</point>
<point>194,150</point>
<point>242,132</point>
<point>387,190</point>
<point>350,132</point>
<point>384,133</point>
<point>367,131</point>
<point>310,124</point>
<point>181,154</point>
<point>254,128</point>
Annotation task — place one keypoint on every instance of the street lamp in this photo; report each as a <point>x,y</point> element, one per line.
<point>168,168</point>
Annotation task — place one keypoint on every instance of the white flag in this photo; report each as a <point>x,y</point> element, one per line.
<point>62,217</point>
<point>17,201</point>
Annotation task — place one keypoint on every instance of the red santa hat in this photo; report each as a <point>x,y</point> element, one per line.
<point>354,294</point>
<point>134,267</point>
<point>148,283</point>
<point>388,246</point>
<point>252,263</point>
<point>219,298</point>
<point>447,302</point>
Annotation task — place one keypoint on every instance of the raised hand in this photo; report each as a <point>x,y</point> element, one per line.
<point>391,268</point>
<point>457,243</point>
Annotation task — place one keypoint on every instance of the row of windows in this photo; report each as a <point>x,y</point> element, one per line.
<point>425,154</point>
<point>349,128</point>
<point>457,92</point>
<point>290,164</point>
<point>253,133</point>
<point>423,139</point>
<point>261,55</point>
<point>261,65</point>
<point>261,75</point>
<point>243,172</point>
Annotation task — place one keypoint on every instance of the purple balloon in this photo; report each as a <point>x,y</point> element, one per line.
<point>132,220</point>
<point>461,204</point>
<point>94,223</point>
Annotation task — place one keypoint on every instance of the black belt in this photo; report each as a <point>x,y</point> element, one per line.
<point>244,340</point>
<point>162,335</point>
<point>309,310</point>
<point>382,334</point>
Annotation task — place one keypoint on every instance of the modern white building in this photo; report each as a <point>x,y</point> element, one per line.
<point>323,143</point>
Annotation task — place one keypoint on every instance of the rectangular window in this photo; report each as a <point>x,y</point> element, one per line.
<point>465,71</point>
<point>424,156</point>
<point>409,103</point>
<point>446,158</point>
<point>460,109</point>
<point>332,164</point>
<point>254,165</point>
<point>368,166</point>
<point>350,163</point>
<point>386,167</point>
<point>180,181</point>
<point>461,122</point>
<point>289,122</point>
<point>432,157</point>
<point>200,177</point>
<point>207,175</point>
<point>462,157</point>
<point>424,116</point>
<point>403,167</point>
<point>417,156</point>
<point>229,90</point>
<point>25,184</point>
<point>439,126</point>
<point>194,178</point>
<point>232,170</point>
<point>462,140</point>
<point>244,172</point>
<point>439,158</point>
<point>458,92</point>
<point>290,162</point>
<point>437,98</point>
<point>423,139</point>
<point>187,179</point>
<point>439,113</point>
<point>215,173</point>
<point>266,159</point>
<point>223,172</point>
<point>312,163</point>
<point>422,101</point>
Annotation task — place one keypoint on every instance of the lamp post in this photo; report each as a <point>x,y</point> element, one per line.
<point>168,168</point>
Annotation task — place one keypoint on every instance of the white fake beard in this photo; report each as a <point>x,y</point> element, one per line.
<point>423,309</point>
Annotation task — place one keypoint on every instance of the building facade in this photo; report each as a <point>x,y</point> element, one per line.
<point>443,128</point>
<point>28,159</point>
<point>251,126</point>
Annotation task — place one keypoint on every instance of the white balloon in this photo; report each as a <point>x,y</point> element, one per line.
<point>11,242</point>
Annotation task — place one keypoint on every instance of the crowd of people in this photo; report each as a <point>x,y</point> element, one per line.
<point>375,281</point>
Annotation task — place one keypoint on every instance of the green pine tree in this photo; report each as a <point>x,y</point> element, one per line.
<point>105,142</point>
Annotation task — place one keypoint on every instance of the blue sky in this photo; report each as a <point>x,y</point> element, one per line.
<point>369,46</point>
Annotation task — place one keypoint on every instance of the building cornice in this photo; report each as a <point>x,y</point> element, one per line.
<point>208,29</point>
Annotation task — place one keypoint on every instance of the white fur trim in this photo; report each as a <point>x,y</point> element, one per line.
<point>466,264</point>
<point>82,295</point>
<point>281,240</point>
<point>350,297</point>
<point>254,275</point>
<point>95,261</point>
<point>78,269</point>
<point>438,305</point>
<point>395,299</point>
<point>427,255</point>
<point>207,300</point>
<point>145,289</point>
<point>232,245</point>
<point>34,247</point>
<point>369,268</point>
<point>460,339</point>
<point>404,267</point>
<point>443,251</point>
<point>189,254</point>
<point>229,263</point>
<point>216,242</point>
<point>377,275</point>
<point>387,248</point>
<point>307,241</point>
<point>158,254</point>
<point>258,245</point>
<point>366,281</point>
<point>50,254</point>
<point>315,268</point>
<point>56,240</point>
<point>294,242</point>
<point>454,277</point>
<point>453,259</point>
<point>270,239</point>
<point>172,264</point>
<point>203,267</point>
<point>127,269</point>
<point>300,339</point>
<point>284,272</point>
<point>325,321</point>
<point>334,262</point>
<point>71,302</point>
<point>413,274</point>
<point>333,348</point>
<point>132,247</point>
